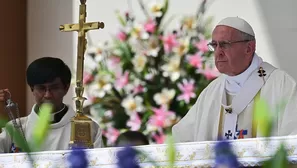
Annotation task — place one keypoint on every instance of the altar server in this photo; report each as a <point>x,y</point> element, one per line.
<point>49,79</point>
<point>225,108</point>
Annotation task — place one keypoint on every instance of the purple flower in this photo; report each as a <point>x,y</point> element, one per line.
<point>78,158</point>
<point>224,155</point>
<point>127,158</point>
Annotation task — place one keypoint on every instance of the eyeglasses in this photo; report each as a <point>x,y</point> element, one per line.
<point>223,44</point>
<point>53,89</point>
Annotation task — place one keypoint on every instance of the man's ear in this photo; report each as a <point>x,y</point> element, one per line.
<point>251,47</point>
<point>66,88</point>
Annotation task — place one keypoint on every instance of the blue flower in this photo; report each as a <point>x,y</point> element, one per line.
<point>78,158</point>
<point>127,158</point>
<point>224,156</point>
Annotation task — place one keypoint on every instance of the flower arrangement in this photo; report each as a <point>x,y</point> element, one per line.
<point>223,149</point>
<point>148,77</point>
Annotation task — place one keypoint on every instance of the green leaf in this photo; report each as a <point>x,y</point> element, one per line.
<point>279,160</point>
<point>120,18</point>
<point>171,151</point>
<point>143,8</point>
<point>3,123</point>
<point>42,125</point>
<point>124,47</point>
<point>16,135</point>
<point>166,5</point>
<point>262,117</point>
<point>18,138</point>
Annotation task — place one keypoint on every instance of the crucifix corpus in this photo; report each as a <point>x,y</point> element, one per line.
<point>81,125</point>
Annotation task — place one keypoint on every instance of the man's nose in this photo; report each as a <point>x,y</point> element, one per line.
<point>47,93</point>
<point>218,51</point>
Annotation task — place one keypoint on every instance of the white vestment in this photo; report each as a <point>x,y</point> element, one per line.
<point>206,120</point>
<point>57,138</point>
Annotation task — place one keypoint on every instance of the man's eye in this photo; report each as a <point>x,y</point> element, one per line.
<point>223,45</point>
<point>214,45</point>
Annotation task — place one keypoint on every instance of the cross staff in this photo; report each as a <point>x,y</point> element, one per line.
<point>81,125</point>
<point>82,27</point>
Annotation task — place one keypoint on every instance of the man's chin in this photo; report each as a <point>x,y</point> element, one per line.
<point>48,102</point>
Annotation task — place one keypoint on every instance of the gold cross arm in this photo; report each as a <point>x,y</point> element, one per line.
<point>86,26</point>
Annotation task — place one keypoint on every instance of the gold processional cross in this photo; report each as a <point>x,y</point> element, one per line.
<point>81,125</point>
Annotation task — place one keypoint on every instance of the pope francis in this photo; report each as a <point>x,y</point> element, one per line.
<point>225,108</point>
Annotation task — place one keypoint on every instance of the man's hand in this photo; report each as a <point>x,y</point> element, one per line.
<point>4,95</point>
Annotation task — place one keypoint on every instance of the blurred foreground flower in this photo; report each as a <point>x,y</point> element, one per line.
<point>78,158</point>
<point>127,158</point>
<point>224,156</point>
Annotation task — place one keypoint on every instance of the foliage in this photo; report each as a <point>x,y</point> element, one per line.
<point>148,77</point>
<point>39,134</point>
<point>265,119</point>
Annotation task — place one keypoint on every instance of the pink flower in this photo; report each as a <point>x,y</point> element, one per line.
<point>134,123</point>
<point>93,99</point>
<point>159,138</point>
<point>187,89</point>
<point>209,73</point>
<point>121,36</point>
<point>88,77</point>
<point>195,60</point>
<point>138,89</point>
<point>150,26</point>
<point>114,61</point>
<point>202,45</point>
<point>169,42</point>
<point>111,134</point>
<point>161,118</point>
<point>122,80</point>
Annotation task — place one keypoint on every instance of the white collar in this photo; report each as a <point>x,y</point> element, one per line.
<point>234,83</point>
<point>65,120</point>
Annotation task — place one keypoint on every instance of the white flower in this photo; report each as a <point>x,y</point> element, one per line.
<point>151,128</point>
<point>101,86</point>
<point>156,7</point>
<point>133,104</point>
<point>139,62</point>
<point>149,47</point>
<point>97,51</point>
<point>183,47</point>
<point>138,32</point>
<point>149,76</point>
<point>189,23</point>
<point>172,68</point>
<point>164,97</point>
<point>153,47</point>
<point>117,52</point>
<point>132,86</point>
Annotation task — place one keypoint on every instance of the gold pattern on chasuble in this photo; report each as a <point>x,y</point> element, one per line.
<point>192,156</point>
<point>93,162</point>
<point>207,152</point>
<point>291,150</point>
<point>178,156</point>
<point>142,158</point>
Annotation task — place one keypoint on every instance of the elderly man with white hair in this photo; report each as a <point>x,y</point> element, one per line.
<point>225,108</point>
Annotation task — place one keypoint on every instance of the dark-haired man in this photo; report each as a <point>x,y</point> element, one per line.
<point>132,138</point>
<point>49,79</point>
